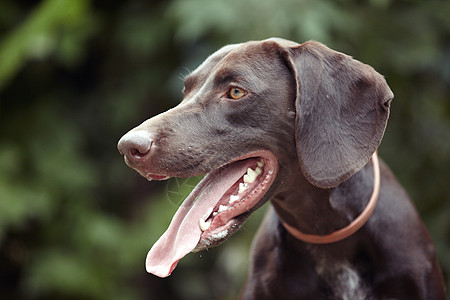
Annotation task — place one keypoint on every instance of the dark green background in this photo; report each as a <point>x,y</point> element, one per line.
<point>76,223</point>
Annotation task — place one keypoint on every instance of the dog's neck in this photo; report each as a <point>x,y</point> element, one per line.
<point>317,211</point>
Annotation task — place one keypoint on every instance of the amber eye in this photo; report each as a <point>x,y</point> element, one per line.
<point>236,93</point>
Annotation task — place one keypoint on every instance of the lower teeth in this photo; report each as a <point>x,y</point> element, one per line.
<point>233,198</point>
<point>204,225</point>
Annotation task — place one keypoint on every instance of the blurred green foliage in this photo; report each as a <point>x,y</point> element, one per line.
<point>76,223</point>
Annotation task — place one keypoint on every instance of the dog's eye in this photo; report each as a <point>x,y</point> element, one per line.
<point>236,93</point>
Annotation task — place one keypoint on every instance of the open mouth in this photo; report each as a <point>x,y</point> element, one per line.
<point>215,209</point>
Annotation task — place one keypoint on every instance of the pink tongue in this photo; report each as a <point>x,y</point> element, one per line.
<point>184,231</point>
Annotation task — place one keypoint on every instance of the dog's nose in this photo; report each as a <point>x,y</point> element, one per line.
<point>135,145</point>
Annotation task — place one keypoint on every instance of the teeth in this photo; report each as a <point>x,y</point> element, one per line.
<point>233,198</point>
<point>218,236</point>
<point>250,176</point>
<point>222,208</point>
<point>252,172</point>
<point>242,187</point>
<point>204,225</point>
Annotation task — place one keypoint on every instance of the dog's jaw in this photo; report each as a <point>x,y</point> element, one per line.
<point>215,209</point>
<point>237,203</point>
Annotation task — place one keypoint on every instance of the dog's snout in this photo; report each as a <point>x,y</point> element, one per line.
<point>135,146</point>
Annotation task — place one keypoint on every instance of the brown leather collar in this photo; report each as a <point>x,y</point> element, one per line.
<point>356,224</point>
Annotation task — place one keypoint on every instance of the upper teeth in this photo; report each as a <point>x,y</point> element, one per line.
<point>252,174</point>
<point>261,163</point>
<point>243,187</point>
<point>249,177</point>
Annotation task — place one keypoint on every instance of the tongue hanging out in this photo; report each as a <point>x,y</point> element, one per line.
<point>211,212</point>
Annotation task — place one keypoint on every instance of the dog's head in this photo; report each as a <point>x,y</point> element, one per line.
<point>250,111</point>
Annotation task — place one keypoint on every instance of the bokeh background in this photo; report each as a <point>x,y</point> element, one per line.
<point>76,223</point>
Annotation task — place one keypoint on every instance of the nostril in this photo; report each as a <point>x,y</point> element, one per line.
<point>135,146</point>
<point>134,152</point>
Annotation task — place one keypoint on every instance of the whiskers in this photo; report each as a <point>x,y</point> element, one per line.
<point>182,76</point>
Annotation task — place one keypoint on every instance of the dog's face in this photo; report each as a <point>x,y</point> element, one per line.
<point>233,103</point>
<point>239,124</point>
<point>236,117</point>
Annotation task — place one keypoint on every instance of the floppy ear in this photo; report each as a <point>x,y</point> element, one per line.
<point>342,107</point>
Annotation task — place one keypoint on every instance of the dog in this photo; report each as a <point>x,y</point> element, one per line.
<point>297,125</point>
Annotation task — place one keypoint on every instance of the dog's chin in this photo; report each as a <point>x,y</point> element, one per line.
<point>215,209</point>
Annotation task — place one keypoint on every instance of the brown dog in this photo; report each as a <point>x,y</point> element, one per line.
<point>295,124</point>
